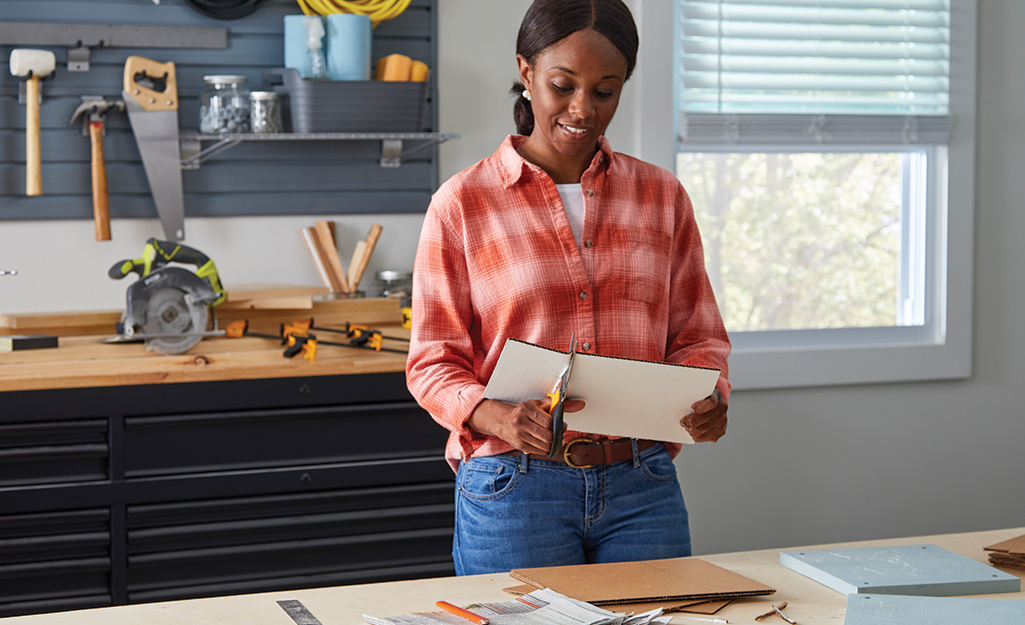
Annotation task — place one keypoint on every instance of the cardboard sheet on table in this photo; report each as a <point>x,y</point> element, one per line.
<point>648,581</point>
<point>1008,553</point>
<point>1014,546</point>
<point>698,606</point>
<point>624,397</point>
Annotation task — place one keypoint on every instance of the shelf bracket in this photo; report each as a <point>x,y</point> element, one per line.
<point>391,153</point>
<point>193,152</point>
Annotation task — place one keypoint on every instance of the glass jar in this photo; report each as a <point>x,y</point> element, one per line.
<point>224,105</point>
<point>265,112</point>
<point>395,284</point>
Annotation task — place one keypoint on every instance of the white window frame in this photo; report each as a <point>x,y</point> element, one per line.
<point>941,349</point>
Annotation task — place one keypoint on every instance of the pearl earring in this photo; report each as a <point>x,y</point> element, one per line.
<point>526,94</point>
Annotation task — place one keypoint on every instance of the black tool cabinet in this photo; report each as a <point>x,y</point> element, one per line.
<point>159,492</point>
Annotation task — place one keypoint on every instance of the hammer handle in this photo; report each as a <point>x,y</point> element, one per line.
<point>33,159</point>
<point>101,207</point>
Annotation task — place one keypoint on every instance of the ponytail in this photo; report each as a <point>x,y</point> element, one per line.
<point>523,113</point>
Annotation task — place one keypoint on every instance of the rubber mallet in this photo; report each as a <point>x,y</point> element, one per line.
<point>32,65</point>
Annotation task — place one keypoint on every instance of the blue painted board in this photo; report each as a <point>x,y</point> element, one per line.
<point>922,570</point>
<point>905,610</point>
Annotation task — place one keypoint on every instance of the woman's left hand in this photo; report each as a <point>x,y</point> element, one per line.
<point>708,421</point>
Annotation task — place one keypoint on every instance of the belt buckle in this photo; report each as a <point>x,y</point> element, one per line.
<point>569,445</point>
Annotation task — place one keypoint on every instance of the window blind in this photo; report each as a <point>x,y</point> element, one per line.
<point>813,71</point>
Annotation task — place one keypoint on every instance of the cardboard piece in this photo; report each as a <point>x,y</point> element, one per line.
<point>920,570</point>
<point>625,397</point>
<point>615,583</point>
<point>1008,553</point>
<point>905,610</point>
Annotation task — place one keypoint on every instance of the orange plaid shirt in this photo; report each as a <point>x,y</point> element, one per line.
<point>497,259</point>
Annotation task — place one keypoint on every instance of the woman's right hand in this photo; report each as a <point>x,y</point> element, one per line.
<point>526,426</point>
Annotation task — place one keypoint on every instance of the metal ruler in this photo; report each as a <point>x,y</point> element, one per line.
<point>298,612</point>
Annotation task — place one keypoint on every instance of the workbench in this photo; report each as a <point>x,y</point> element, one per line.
<point>128,476</point>
<point>808,601</point>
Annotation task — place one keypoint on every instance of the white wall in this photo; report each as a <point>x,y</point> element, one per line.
<point>798,466</point>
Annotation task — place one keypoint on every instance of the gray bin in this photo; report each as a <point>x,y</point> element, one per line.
<point>348,105</point>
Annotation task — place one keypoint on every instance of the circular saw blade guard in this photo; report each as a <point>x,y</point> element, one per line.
<point>169,309</point>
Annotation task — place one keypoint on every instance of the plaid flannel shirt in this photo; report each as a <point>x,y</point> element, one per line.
<point>497,259</point>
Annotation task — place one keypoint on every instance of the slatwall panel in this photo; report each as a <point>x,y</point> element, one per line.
<point>254,178</point>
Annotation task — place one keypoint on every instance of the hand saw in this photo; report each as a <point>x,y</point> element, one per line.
<point>151,100</point>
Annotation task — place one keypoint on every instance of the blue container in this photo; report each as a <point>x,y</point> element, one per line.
<point>348,46</point>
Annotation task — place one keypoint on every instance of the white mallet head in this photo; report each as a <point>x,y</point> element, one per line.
<point>39,62</point>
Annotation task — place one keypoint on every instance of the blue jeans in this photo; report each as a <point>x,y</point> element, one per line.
<point>515,513</point>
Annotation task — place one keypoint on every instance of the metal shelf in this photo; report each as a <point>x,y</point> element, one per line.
<point>392,143</point>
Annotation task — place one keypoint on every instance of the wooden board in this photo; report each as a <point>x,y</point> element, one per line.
<point>920,570</point>
<point>258,309</point>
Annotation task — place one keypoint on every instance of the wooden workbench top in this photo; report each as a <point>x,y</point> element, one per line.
<point>83,360</point>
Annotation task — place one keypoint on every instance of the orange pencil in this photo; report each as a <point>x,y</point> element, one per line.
<point>454,609</point>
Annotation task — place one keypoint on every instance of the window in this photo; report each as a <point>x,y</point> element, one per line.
<point>828,147</point>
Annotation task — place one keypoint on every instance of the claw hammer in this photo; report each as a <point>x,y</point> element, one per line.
<point>96,108</point>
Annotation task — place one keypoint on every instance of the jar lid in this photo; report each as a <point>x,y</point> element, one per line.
<point>224,79</point>
<point>263,95</point>
<point>394,276</point>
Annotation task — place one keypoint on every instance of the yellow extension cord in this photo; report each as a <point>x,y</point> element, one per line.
<point>377,10</point>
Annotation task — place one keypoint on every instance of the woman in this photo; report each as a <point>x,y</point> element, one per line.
<point>557,234</point>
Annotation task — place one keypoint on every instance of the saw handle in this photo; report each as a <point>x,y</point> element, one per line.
<point>152,84</point>
<point>101,202</point>
<point>124,267</point>
<point>171,251</point>
<point>168,251</point>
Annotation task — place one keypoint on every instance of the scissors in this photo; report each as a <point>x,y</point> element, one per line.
<point>558,398</point>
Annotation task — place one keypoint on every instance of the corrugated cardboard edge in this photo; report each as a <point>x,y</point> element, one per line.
<point>602,589</point>
<point>1015,546</point>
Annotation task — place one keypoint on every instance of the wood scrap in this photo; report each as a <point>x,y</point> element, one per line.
<point>772,612</point>
<point>318,255</point>
<point>326,235</point>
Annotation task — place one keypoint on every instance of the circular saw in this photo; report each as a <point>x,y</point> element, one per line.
<point>169,308</point>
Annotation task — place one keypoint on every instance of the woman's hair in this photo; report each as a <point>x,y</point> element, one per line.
<point>548,22</point>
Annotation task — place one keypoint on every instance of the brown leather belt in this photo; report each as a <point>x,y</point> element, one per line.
<point>581,453</point>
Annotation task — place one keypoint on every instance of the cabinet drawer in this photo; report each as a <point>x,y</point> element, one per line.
<point>51,559</point>
<point>230,441</point>
<point>254,543</point>
<point>53,452</point>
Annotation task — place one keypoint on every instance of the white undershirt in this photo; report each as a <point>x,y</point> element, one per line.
<point>573,200</point>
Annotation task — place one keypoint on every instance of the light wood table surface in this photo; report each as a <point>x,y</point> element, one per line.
<point>809,602</point>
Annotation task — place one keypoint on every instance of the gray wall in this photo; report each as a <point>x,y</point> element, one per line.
<point>799,466</point>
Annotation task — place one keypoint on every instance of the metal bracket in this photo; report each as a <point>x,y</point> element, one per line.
<point>391,153</point>
<point>81,38</point>
<point>78,59</point>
